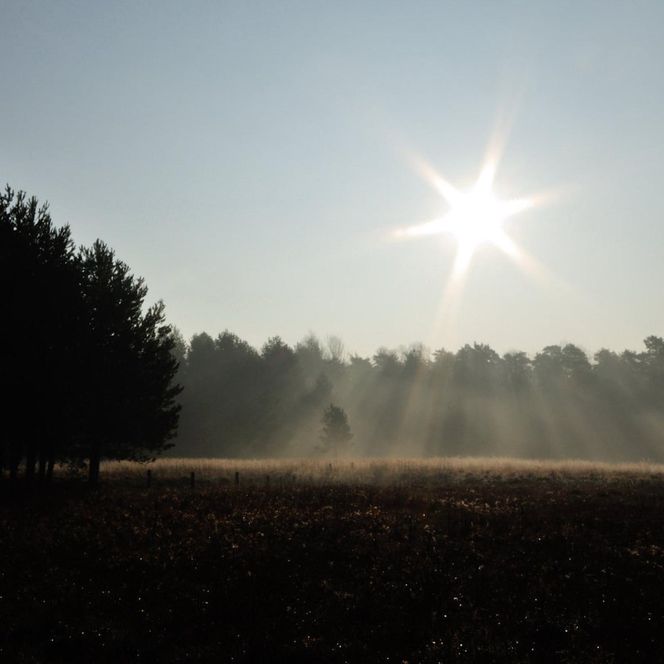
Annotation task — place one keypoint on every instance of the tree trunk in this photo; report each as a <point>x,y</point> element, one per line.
<point>42,466</point>
<point>14,459</point>
<point>95,460</point>
<point>51,463</point>
<point>30,462</point>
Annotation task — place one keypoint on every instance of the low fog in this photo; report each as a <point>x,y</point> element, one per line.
<point>239,401</point>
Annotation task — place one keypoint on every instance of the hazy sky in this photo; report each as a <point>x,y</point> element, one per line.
<point>249,159</point>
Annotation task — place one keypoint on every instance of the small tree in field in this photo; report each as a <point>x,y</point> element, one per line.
<point>336,434</point>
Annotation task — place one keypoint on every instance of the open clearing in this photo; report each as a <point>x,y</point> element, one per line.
<point>403,560</point>
<point>389,472</point>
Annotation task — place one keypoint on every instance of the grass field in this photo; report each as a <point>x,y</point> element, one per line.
<point>479,560</point>
<point>389,472</point>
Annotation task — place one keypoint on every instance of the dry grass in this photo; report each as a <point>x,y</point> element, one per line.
<point>380,471</point>
<point>452,560</point>
<point>354,560</point>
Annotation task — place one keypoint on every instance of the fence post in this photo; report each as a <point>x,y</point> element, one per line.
<point>149,478</point>
<point>193,480</point>
<point>267,481</point>
<point>237,478</point>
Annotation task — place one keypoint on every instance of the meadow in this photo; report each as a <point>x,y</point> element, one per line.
<point>477,560</point>
<point>391,471</point>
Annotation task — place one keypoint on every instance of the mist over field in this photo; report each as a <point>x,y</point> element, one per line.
<point>242,402</point>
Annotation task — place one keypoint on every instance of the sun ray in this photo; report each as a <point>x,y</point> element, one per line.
<point>475,217</point>
<point>450,193</point>
<point>435,227</point>
<point>506,243</point>
<point>484,184</point>
<point>463,258</point>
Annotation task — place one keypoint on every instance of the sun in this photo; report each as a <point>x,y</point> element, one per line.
<point>474,217</point>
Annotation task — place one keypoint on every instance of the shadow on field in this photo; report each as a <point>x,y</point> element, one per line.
<point>525,570</point>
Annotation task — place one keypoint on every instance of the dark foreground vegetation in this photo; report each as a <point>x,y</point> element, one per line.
<point>479,569</point>
<point>86,364</point>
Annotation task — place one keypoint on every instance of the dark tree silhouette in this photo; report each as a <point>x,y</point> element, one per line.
<point>335,433</point>
<point>473,401</point>
<point>41,314</point>
<point>89,371</point>
<point>281,380</point>
<point>130,404</point>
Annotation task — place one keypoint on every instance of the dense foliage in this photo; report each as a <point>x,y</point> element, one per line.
<point>88,368</point>
<point>335,435</point>
<point>239,401</point>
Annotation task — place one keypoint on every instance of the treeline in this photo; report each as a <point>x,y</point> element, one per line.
<point>87,370</point>
<point>241,401</point>
<point>91,372</point>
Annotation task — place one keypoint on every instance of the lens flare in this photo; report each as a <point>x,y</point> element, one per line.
<point>474,218</point>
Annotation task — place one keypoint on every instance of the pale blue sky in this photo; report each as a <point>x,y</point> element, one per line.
<point>246,158</point>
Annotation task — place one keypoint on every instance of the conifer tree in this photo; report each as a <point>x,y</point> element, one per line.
<point>335,434</point>
<point>129,364</point>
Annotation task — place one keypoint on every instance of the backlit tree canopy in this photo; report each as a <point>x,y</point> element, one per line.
<point>88,367</point>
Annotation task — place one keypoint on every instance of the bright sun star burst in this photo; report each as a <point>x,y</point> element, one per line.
<point>474,218</point>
